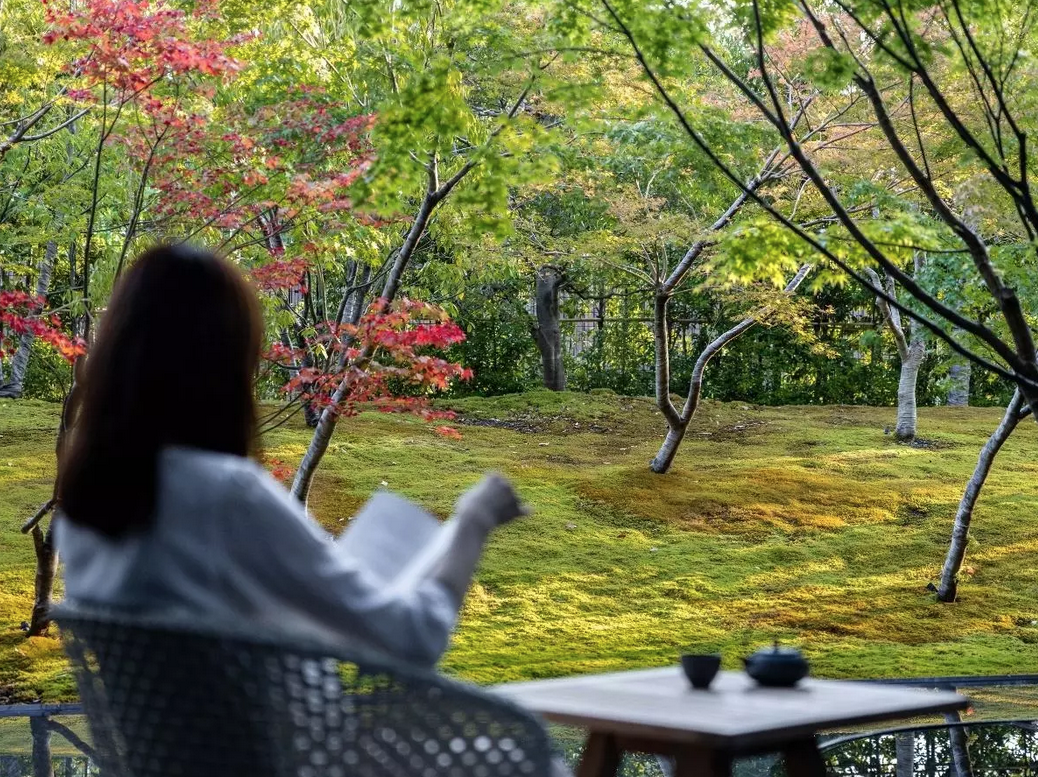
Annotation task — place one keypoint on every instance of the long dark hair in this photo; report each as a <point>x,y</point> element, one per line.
<point>172,364</point>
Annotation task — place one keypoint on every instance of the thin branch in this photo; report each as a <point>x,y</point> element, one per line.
<point>868,87</point>
<point>138,201</point>
<point>1013,187</point>
<point>915,127</point>
<point>271,427</point>
<point>24,126</point>
<point>890,315</point>
<point>54,130</point>
<point>748,322</point>
<point>72,737</point>
<point>39,515</point>
<point>1004,296</point>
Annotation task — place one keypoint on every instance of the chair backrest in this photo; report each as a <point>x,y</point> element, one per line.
<point>165,699</point>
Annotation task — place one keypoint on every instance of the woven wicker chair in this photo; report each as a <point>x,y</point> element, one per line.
<point>164,699</point>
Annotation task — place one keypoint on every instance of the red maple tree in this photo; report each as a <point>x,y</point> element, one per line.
<point>22,314</point>
<point>388,361</point>
<point>133,44</point>
<point>252,175</point>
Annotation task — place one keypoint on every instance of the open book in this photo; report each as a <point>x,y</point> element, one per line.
<point>395,540</point>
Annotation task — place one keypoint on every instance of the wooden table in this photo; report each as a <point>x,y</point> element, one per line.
<point>657,711</point>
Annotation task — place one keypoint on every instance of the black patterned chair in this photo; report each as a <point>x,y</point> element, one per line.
<point>168,700</point>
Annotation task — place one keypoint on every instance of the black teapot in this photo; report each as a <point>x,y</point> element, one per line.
<point>777,667</point>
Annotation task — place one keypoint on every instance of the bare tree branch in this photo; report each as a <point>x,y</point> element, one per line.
<point>39,515</point>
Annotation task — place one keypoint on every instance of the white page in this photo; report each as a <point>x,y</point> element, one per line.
<point>390,535</point>
<point>421,565</point>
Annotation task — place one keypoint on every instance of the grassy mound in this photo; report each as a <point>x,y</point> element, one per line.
<point>805,524</point>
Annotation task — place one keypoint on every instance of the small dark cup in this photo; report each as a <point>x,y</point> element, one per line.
<point>701,669</point>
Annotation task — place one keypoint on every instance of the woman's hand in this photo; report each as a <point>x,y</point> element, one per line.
<point>490,503</point>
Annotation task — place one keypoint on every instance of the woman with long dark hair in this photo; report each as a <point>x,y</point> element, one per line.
<point>162,510</point>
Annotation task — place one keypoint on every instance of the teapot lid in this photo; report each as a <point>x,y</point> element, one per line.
<point>777,652</point>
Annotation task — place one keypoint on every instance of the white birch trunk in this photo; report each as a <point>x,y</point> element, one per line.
<point>948,586</point>
<point>910,353</point>
<point>907,416</point>
<point>959,376</point>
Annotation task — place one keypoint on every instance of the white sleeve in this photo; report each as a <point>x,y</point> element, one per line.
<point>275,545</point>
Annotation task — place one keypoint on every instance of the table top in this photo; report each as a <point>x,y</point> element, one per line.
<point>735,713</point>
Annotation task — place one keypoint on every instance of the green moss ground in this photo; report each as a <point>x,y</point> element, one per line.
<point>803,524</point>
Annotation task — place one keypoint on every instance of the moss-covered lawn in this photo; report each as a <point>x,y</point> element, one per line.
<point>803,524</point>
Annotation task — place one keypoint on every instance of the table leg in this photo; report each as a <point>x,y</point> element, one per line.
<point>803,759</point>
<point>601,757</point>
<point>702,762</point>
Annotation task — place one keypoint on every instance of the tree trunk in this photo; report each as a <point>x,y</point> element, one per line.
<point>43,541</point>
<point>46,569</point>
<point>73,283</point>
<point>958,743</point>
<point>549,331</point>
<point>351,309</point>
<point>904,754</point>
<point>678,423</point>
<point>72,738</point>
<point>959,375</point>
<point>435,193</point>
<point>906,390</point>
<point>20,361</point>
<point>910,351</point>
<point>322,435</point>
<point>948,586</point>
<point>661,341</point>
<point>42,765</point>
<point>664,457</point>
<point>1031,397</point>
<point>354,308</point>
<point>311,414</point>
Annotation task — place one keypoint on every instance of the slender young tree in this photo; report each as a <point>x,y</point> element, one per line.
<point>678,421</point>
<point>437,140</point>
<point>948,586</point>
<point>910,339</point>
